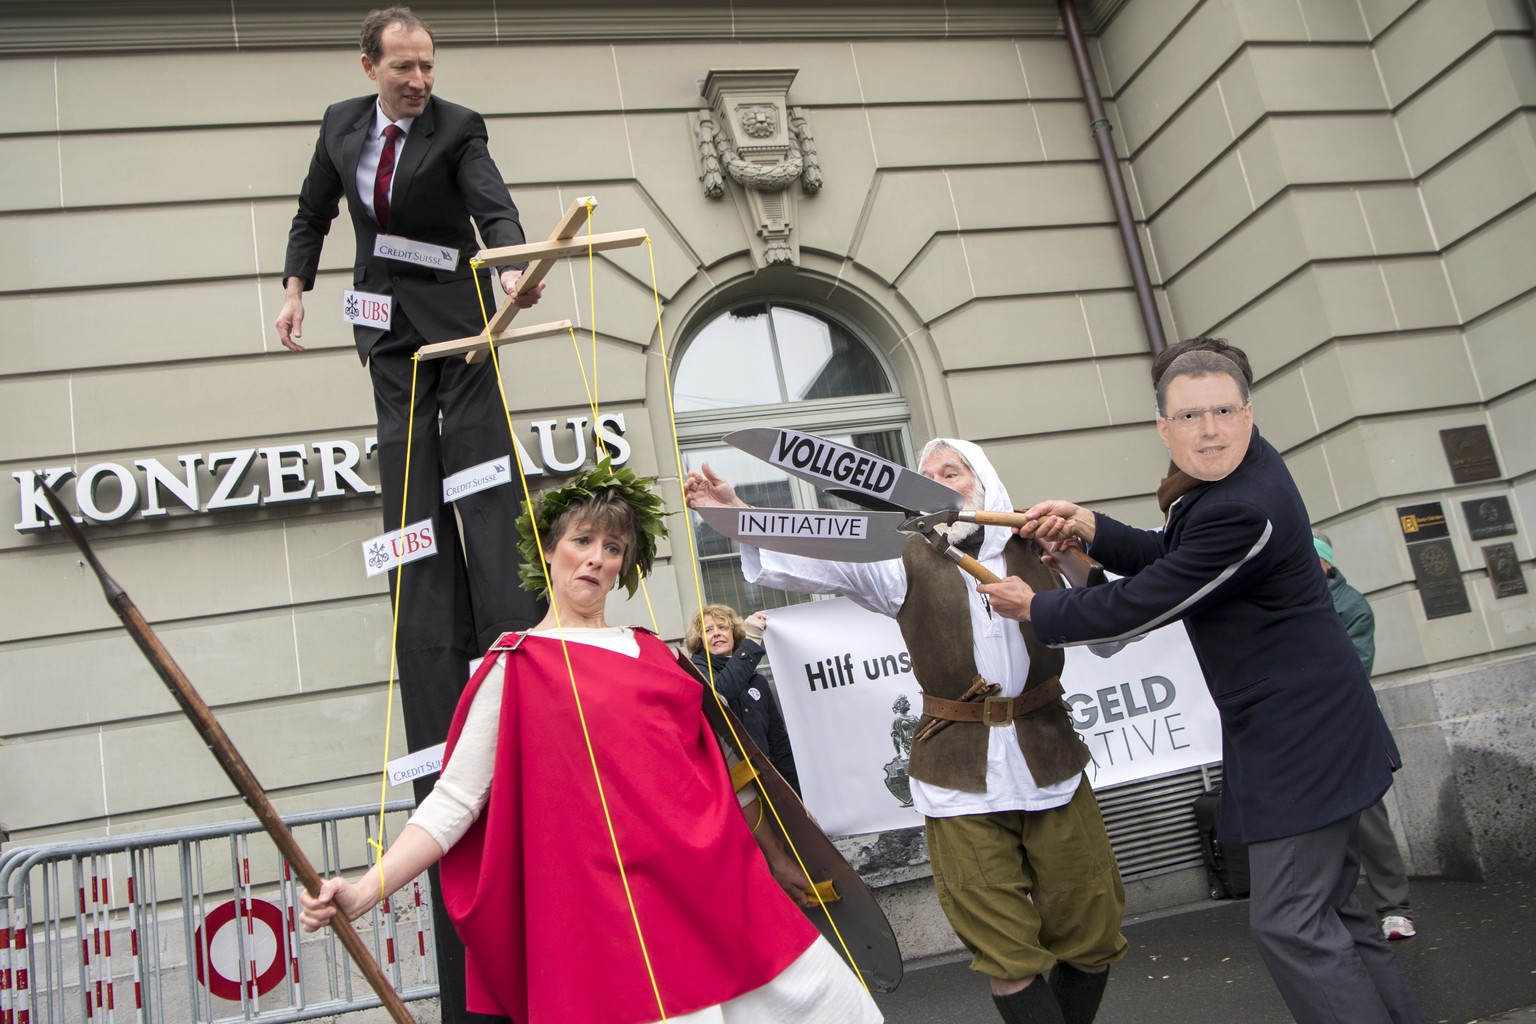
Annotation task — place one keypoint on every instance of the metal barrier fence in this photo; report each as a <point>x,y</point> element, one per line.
<point>198,924</point>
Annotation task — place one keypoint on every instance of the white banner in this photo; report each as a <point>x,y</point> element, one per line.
<point>843,674</point>
<point>1143,712</point>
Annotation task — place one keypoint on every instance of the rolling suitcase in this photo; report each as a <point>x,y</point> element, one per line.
<point>1226,863</point>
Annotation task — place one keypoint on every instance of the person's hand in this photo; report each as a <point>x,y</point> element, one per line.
<point>336,894</point>
<point>790,878</point>
<point>705,489</point>
<point>784,868</point>
<point>1010,597</point>
<point>1057,524</point>
<point>753,625</point>
<point>290,322</point>
<point>509,280</point>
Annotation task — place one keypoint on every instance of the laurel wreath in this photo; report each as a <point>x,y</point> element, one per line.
<point>634,490</point>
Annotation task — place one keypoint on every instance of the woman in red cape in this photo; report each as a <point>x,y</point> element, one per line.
<point>595,858</point>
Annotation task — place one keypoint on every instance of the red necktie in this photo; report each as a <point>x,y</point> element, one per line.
<point>385,176</point>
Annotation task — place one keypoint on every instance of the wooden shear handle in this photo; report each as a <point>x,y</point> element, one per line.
<point>998,518</point>
<point>975,568</point>
<point>1076,565</point>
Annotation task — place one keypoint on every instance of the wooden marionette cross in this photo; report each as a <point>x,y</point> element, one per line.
<point>561,242</point>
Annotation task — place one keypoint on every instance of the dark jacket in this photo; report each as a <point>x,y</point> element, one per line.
<point>747,694</point>
<point>1359,620</point>
<point>1304,743</point>
<point>445,185</point>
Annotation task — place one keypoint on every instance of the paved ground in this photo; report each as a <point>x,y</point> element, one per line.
<point>1474,960</point>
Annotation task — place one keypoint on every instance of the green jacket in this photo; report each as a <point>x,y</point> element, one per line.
<point>1356,613</point>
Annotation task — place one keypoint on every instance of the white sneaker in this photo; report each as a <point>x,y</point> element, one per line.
<point>1398,927</point>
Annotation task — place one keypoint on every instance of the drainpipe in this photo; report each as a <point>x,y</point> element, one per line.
<point>1100,128</point>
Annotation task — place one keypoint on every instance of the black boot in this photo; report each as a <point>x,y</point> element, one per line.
<point>1078,993</point>
<point>1032,1004</point>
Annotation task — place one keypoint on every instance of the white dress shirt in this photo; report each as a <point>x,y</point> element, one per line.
<point>373,148</point>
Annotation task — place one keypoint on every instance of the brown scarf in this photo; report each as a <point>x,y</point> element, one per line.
<point>1176,484</point>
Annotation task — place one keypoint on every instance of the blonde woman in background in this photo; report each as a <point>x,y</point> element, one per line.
<point>735,646</point>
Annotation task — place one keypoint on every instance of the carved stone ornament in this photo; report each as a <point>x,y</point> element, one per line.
<point>759,120</point>
<point>750,134</point>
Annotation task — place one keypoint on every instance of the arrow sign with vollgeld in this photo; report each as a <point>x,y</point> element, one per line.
<point>901,503</point>
<point>844,471</point>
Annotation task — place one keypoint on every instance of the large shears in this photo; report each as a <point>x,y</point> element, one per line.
<point>896,504</point>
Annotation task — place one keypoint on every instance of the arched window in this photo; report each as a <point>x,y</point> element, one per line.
<point>769,363</point>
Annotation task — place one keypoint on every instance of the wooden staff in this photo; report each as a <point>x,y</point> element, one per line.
<point>225,753</point>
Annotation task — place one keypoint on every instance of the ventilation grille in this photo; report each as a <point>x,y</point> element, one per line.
<point>1151,825</point>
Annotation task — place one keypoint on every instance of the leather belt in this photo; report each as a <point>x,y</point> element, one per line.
<point>996,711</point>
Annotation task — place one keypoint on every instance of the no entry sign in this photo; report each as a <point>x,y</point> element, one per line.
<point>265,947</point>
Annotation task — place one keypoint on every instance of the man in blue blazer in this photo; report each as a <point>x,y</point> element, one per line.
<point>1305,746</point>
<point>415,168</point>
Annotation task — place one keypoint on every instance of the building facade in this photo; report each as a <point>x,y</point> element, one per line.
<point>878,221</point>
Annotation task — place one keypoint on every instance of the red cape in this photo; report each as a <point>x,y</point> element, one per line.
<point>534,886</point>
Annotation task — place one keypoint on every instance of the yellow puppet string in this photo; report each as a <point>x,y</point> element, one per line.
<point>566,654</point>
<point>592,318</point>
<point>590,383</point>
<point>698,588</point>
<point>394,636</point>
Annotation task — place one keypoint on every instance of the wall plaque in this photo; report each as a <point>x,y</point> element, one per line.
<point>1439,579</point>
<point>1504,570</point>
<point>1489,517</point>
<point>1422,522</point>
<point>1469,450</point>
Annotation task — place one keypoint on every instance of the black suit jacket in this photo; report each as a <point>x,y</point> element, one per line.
<point>445,185</point>
<point>1303,741</point>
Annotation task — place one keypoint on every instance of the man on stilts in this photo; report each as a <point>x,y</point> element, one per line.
<point>419,181</point>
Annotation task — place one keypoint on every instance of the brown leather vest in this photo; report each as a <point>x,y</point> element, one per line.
<point>935,621</point>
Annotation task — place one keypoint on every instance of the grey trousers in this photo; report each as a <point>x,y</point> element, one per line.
<point>1324,951</point>
<point>1383,862</point>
